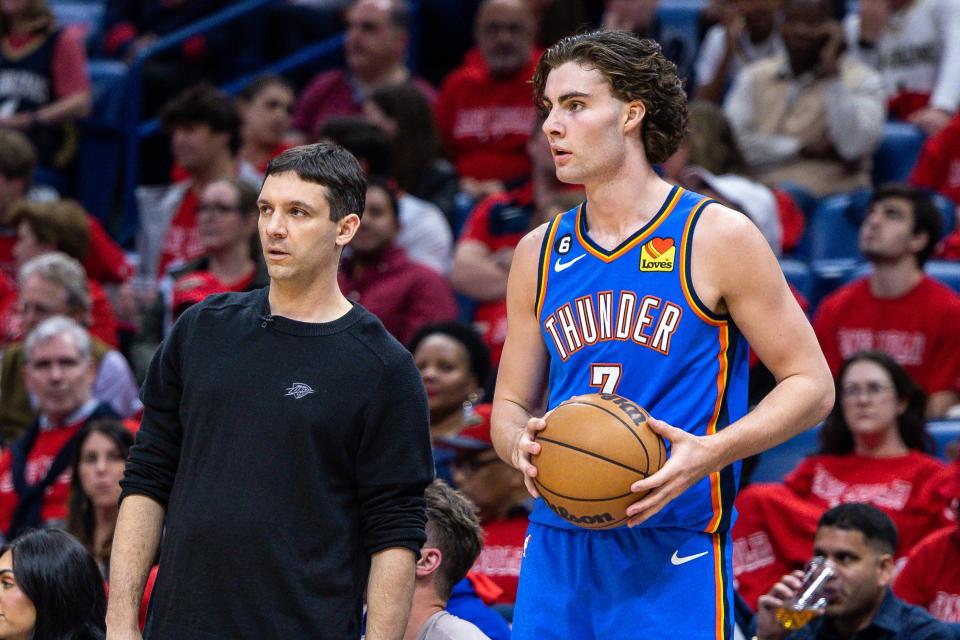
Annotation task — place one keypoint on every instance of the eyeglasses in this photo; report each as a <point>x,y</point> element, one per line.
<point>471,463</point>
<point>870,390</point>
<point>216,209</point>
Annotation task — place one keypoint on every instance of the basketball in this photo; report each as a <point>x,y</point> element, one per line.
<point>594,447</point>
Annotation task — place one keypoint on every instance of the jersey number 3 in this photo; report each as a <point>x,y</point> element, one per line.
<point>605,377</point>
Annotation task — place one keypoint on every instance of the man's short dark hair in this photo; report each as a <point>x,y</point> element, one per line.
<point>205,104</point>
<point>926,215</point>
<point>365,140</point>
<point>18,158</point>
<point>636,69</point>
<point>877,528</point>
<point>398,14</point>
<point>453,528</point>
<point>330,166</point>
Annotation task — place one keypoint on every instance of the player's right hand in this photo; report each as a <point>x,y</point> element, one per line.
<point>768,627</point>
<point>525,447</point>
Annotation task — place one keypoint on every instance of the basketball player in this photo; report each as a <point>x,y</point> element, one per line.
<point>652,292</point>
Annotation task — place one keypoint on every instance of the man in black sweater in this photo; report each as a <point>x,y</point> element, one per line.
<point>286,439</point>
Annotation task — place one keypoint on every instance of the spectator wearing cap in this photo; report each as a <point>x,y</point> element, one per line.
<point>930,578</point>
<point>454,539</point>
<point>375,48</point>
<point>502,502</point>
<point>404,295</point>
<point>813,116</point>
<point>230,261</point>
<point>454,364</point>
<point>59,371</point>
<point>54,284</point>
<point>484,109</point>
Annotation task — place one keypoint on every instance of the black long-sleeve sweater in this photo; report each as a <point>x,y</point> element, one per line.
<point>286,453</point>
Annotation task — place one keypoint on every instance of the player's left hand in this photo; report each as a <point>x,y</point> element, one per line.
<point>690,460</point>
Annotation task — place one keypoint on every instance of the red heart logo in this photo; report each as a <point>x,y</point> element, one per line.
<point>661,245</point>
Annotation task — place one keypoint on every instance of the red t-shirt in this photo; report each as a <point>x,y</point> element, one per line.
<point>182,242</point>
<point>105,261</point>
<point>485,124</point>
<point>48,444</point>
<point>776,525</point>
<point>499,222</point>
<point>919,330</point>
<point>938,169</point>
<point>931,576</point>
<point>502,553</point>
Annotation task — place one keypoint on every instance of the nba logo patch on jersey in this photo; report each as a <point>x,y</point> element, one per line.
<point>658,254</point>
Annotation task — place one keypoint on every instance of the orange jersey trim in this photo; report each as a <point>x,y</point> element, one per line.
<point>686,278</point>
<point>720,592</point>
<point>545,263</point>
<point>661,216</point>
<point>724,365</point>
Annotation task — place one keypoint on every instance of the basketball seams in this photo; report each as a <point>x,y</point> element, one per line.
<point>624,423</point>
<point>594,455</point>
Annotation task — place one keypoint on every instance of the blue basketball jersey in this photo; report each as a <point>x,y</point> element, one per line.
<point>628,321</point>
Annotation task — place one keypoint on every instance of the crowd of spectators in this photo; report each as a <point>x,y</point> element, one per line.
<point>789,103</point>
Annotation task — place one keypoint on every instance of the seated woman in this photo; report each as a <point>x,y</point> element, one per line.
<point>95,487</point>
<point>44,83</point>
<point>454,363</point>
<point>50,587</point>
<point>871,450</point>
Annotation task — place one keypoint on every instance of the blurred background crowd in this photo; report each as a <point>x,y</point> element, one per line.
<point>134,135</point>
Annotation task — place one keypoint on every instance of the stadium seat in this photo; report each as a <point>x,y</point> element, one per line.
<point>798,274</point>
<point>681,19</point>
<point>946,272</point>
<point>832,229</point>
<point>776,463</point>
<point>101,143</point>
<point>898,152</point>
<point>944,433</point>
<point>830,274</point>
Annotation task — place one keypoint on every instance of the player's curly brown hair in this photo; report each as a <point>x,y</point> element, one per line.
<point>636,70</point>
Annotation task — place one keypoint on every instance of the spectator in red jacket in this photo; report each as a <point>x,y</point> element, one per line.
<point>938,169</point>
<point>930,578</point>
<point>897,308</point>
<point>379,275</point>
<point>484,110</point>
<point>871,450</point>
<point>35,471</point>
<point>375,48</point>
<point>62,225</point>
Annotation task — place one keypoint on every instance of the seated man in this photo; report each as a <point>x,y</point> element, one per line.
<point>859,540</point>
<point>750,31</point>
<point>897,308</point>
<point>453,542</point>
<point>484,111</point>
<point>404,295</point>
<point>913,43</point>
<point>375,48</point>
<point>501,500</point>
<point>35,470</point>
<point>814,116</point>
<point>55,284</point>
